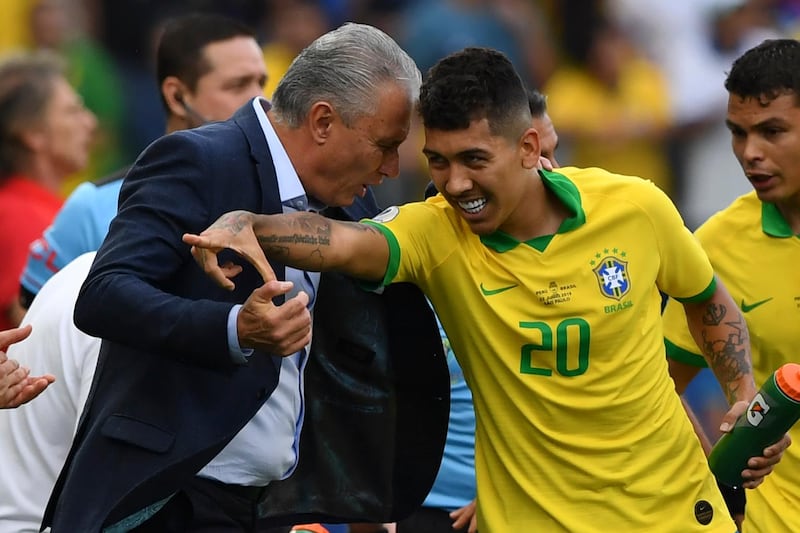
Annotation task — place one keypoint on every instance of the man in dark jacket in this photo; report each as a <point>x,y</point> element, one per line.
<point>198,400</point>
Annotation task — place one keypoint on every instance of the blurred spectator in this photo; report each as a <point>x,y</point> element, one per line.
<point>56,26</point>
<point>129,30</point>
<point>610,103</point>
<point>680,37</point>
<point>734,26</point>
<point>291,26</point>
<point>14,30</point>
<point>46,135</point>
<point>208,66</point>
<point>431,29</point>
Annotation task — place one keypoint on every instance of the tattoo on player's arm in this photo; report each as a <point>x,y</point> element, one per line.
<point>289,239</point>
<point>234,222</point>
<point>725,344</point>
<point>714,314</point>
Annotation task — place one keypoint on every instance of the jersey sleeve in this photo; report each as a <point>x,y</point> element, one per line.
<point>413,231</point>
<point>64,240</point>
<point>678,339</point>
<point>685,272</point>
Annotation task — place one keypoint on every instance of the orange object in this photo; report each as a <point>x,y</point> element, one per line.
<point>788,379</point>
<point>310,528</point>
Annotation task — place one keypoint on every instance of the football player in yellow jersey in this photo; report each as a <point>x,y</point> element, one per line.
<point>547,284</point>
<point>754,247</point>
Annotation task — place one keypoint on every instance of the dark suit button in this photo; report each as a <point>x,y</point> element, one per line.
<point>262,393</point>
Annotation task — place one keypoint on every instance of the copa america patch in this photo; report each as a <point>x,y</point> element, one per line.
<point>387,215</point>
<point>612,276</point>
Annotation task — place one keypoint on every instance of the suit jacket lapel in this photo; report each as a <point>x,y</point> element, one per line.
<point>247,120</point>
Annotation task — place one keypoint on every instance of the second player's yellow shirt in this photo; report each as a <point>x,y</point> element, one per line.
<point>755,254</point>
<point>579,428</point>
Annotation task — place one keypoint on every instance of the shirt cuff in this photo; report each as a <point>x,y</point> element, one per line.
<point>238,355</point>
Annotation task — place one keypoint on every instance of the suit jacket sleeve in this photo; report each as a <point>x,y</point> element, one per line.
<point>144,289</point>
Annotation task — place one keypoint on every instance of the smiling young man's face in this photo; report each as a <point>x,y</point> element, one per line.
<point>765,136</point>
<point>484,176</point>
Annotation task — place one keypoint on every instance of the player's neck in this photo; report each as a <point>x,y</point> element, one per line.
<point>539,213</point>
<point>791,213</point>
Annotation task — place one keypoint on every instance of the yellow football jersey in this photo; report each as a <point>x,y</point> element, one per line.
<point>755,254</point>
<point>560,339</point>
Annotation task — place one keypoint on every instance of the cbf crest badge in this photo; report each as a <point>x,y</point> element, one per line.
<point>612,276</point>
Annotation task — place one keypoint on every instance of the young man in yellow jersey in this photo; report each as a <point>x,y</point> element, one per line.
<point>754,247</point>
<point>547,285</point>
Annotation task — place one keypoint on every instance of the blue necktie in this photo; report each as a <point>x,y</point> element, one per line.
<point>298,203</point>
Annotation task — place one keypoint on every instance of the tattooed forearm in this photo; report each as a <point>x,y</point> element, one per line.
<point>234,221</point>
<point>310,241</point>
<point>726,347</point>
<point>297,239</point>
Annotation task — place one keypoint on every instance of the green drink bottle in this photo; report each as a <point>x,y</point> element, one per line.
<point>773,410</point>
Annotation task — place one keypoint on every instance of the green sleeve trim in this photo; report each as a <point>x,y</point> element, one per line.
<point>394,251</point>
<point>677,353</point>
<point>703,296</point>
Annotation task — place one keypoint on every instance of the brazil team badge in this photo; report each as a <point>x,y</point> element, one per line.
<point>612,276</point>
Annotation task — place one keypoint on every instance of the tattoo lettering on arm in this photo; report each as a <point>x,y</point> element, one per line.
<point>299,238</point>
<point>306,240</point>
<point>725,345</point>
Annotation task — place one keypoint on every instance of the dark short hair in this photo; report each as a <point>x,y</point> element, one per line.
<point>473,84</point>
<point>537,103</point>
<point>766,71</point>
<point>181,47</point>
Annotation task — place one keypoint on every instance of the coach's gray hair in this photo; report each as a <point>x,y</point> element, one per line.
<point>344,67</point>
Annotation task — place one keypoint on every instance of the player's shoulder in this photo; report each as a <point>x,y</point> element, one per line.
<point>600,179</point>
<point>434,216</point>
<point>433,206</point>
<point>604,184</point>
<point>742,215</point>
<point>438,208</point>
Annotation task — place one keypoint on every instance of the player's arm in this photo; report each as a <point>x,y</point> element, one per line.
<point>302,240</point>
<point>720,331</point>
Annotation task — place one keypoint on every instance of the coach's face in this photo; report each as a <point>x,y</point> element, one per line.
<point>356,156</point>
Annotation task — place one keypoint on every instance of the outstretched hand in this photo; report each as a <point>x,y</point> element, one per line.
<point>17,386</point>
<point>233,231</point>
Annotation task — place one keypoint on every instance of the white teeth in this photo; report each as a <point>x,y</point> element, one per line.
<point>473,206</point>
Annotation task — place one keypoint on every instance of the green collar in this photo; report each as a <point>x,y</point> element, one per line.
<point>773,223</point>
<point>567,192</point>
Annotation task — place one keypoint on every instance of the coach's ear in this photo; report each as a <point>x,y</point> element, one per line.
<point>321,121</point>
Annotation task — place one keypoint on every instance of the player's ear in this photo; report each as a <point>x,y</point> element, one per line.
<point>529,149</point>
